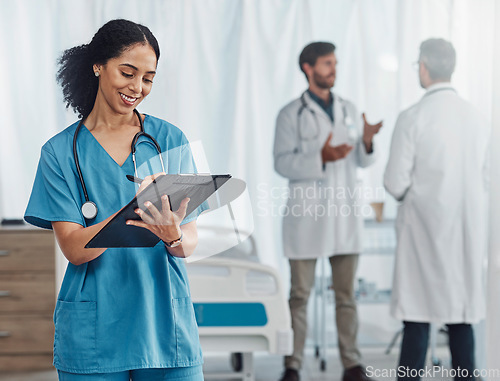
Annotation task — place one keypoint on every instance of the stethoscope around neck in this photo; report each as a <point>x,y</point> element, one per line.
<point>347,119</point>
<point>89,208</point>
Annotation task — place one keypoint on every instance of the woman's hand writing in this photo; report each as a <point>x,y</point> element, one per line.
<point>165,224</point>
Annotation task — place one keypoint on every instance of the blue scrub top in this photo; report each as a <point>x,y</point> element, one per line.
<point>130,308</point>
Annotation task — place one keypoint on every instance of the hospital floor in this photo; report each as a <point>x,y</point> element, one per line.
<point>269,367</point>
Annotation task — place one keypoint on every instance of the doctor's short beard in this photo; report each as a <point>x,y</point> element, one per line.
<point>324,81</point>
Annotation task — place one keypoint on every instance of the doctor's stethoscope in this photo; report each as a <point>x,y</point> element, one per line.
<point>89,208</point>
<point>347,119</point>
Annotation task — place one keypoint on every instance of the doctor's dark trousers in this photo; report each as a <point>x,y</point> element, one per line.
<point>302,273</point>
<point>416,340</point>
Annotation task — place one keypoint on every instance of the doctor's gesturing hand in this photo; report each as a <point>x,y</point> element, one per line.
<point>369,131</point>
<point>329,153</point>
<point>165,224</point>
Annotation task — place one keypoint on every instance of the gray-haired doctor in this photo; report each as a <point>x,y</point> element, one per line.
<point>438,170</point>
<point>320,142</point>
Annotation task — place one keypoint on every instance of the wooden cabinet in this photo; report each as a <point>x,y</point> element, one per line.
<point>27,298</point>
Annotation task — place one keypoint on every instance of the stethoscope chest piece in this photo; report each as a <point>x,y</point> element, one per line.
<point>89,210</point>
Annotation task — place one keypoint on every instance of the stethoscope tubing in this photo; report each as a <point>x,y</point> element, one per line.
<point>304,106</point>
<point>151,141</point>
<point>440,89</point>
<point>89,208</point>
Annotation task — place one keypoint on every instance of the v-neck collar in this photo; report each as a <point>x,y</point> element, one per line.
<point>129,157</point>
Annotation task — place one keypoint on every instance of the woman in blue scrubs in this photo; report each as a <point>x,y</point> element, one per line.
<point>122,313</point>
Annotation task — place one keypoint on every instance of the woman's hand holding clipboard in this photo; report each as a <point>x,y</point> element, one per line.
<point>163,223</point>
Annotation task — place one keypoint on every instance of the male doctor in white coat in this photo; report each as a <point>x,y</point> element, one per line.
<point>320,142</point>
<point>438,170</point>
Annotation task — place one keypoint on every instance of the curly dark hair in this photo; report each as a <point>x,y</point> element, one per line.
<point>76,74</point>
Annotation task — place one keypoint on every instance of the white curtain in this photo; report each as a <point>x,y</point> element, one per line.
<point>492,326</point>
<point>227,67</point>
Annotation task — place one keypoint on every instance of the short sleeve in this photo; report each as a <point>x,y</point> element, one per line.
<point>51,199</point>
<point>188,166</point>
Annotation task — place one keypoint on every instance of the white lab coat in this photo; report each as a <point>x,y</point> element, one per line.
<point>438,168</point>
<point>323,214</point>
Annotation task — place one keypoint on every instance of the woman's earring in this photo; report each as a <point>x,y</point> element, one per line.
<point>96,73</point>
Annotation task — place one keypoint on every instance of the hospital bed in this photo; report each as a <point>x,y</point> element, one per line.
<point>240,307</point>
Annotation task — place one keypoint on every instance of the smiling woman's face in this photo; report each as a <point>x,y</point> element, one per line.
<point>126,80</point>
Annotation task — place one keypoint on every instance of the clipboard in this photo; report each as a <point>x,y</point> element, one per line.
<point>116,233</point>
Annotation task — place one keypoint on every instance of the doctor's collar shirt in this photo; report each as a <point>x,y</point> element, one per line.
<point>328,107</point>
